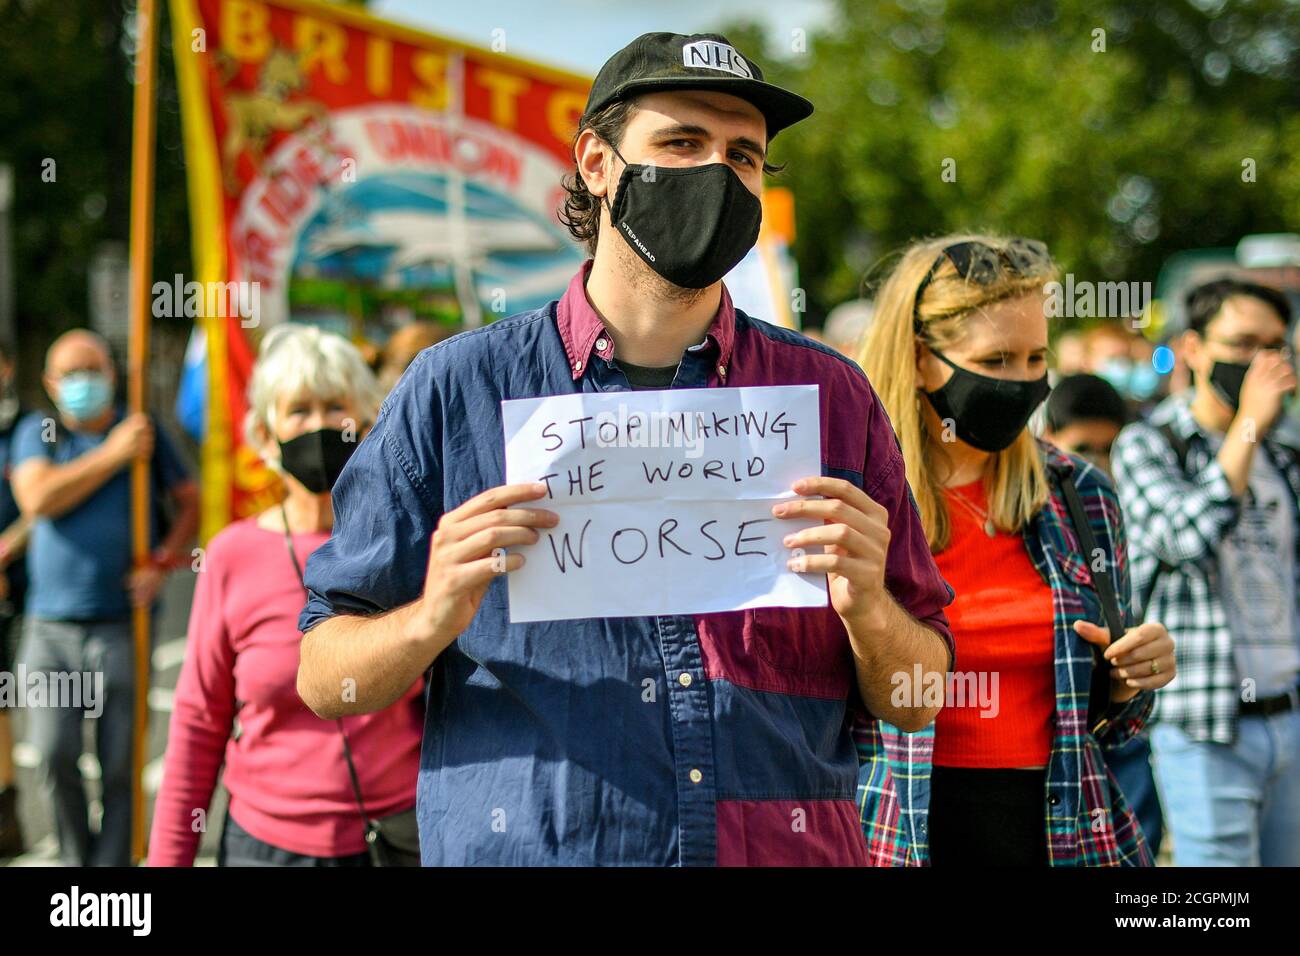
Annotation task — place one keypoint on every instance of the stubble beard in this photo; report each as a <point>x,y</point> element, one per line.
<point>646,282</point>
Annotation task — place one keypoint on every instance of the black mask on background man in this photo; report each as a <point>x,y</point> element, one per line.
<point>987,413</point>
<point>1226,378</point>
<point>317,458</point>
<point>690,224</point>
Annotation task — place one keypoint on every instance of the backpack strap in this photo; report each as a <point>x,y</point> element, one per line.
<point>1099,689</point>
<point>1180,446</point>
<point>1177,442</point>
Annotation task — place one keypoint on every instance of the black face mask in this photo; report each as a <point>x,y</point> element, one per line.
<point>1226,378</point>
<point>690,224</point>
<point>987,413</point>
<point>317,458</point>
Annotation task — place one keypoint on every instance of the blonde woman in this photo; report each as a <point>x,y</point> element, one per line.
<point>1031,541</point>
<point>293,798</point>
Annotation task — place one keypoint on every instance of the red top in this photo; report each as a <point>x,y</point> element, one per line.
<point>285,771</point>
<point>1003,698</point>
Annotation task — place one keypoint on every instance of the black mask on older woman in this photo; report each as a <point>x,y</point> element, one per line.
<point>317,458</point>
<point>987,413</point>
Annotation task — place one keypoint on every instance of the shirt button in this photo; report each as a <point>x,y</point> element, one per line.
<point>684,678</point>
<point>1053,799</point>
<point>722,370</point>
<point>601,345</point>
<point>577,366</point>
<point>696,776</point>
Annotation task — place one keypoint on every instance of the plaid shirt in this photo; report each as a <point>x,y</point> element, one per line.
<point>1177,518</point>
<point>1088,821</point>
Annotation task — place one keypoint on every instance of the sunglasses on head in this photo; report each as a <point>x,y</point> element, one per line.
<point>983,264</point>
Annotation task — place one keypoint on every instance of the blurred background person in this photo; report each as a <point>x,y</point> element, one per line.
<point>815,333</point>
<point>959,345</point>
<point>71,478</point>
<point>1071,354</point>
<point>404,345</point>
<point>1123,358</point>
<point>845,326</point>
<point>1104,344</point>
<point>1084,417</point>
<point>1213,505</point>
<point>13,592</point>
<point>292,800</point>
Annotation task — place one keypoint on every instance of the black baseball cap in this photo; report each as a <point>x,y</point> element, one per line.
<point>655,62</point>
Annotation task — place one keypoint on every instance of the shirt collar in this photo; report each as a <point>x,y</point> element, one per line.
<point>1054,459</point>
<point>1181,417</point>
<point>583,331</point>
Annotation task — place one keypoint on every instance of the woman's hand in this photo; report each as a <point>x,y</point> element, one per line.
<point>1143,659</point>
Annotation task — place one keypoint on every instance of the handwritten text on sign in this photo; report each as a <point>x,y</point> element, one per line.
<point>665,500</point>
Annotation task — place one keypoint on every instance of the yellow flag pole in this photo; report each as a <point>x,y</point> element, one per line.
<point>142,184</point>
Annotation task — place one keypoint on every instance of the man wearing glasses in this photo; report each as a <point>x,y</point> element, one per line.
<point>1211,503</point>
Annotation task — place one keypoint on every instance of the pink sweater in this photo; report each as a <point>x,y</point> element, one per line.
<point>284,768</point>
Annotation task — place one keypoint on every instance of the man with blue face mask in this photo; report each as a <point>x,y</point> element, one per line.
<point>71,478</point>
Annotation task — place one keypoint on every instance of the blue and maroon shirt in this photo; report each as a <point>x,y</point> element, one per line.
<point>690,740</point>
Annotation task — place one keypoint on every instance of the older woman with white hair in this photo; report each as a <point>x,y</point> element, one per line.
<point>303,791</point>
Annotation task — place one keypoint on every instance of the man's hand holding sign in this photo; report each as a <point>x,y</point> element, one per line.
<point>468,551</point>
<point>855,538</point>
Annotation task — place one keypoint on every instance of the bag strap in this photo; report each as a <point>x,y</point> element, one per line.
<point>1099,692</point>
<point>338,721</point>
<point>1176,441</point>
<point>352,774</point>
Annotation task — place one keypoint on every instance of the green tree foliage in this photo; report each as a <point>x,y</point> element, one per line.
<point>1117,131</point>
<point>66,86</point>
<point>65,107</point>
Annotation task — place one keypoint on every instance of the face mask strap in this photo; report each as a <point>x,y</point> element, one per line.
<point>1000,382</point>
<point>944,359</point>
<point>608,204</point>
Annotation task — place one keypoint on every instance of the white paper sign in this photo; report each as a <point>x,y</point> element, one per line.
<point>665,500</point>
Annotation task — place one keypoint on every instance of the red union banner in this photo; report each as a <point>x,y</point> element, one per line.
<point>339,164</point>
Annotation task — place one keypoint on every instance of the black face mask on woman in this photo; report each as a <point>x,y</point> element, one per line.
<point>690,224</point>
<point>987,413</point>
<point>317,458</point>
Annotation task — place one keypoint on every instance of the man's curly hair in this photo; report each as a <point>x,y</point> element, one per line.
<point>581,210</point>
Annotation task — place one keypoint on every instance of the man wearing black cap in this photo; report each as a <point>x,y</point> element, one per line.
<point>723,738</point>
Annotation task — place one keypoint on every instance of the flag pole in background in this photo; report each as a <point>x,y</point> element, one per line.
<point>142,197</point>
